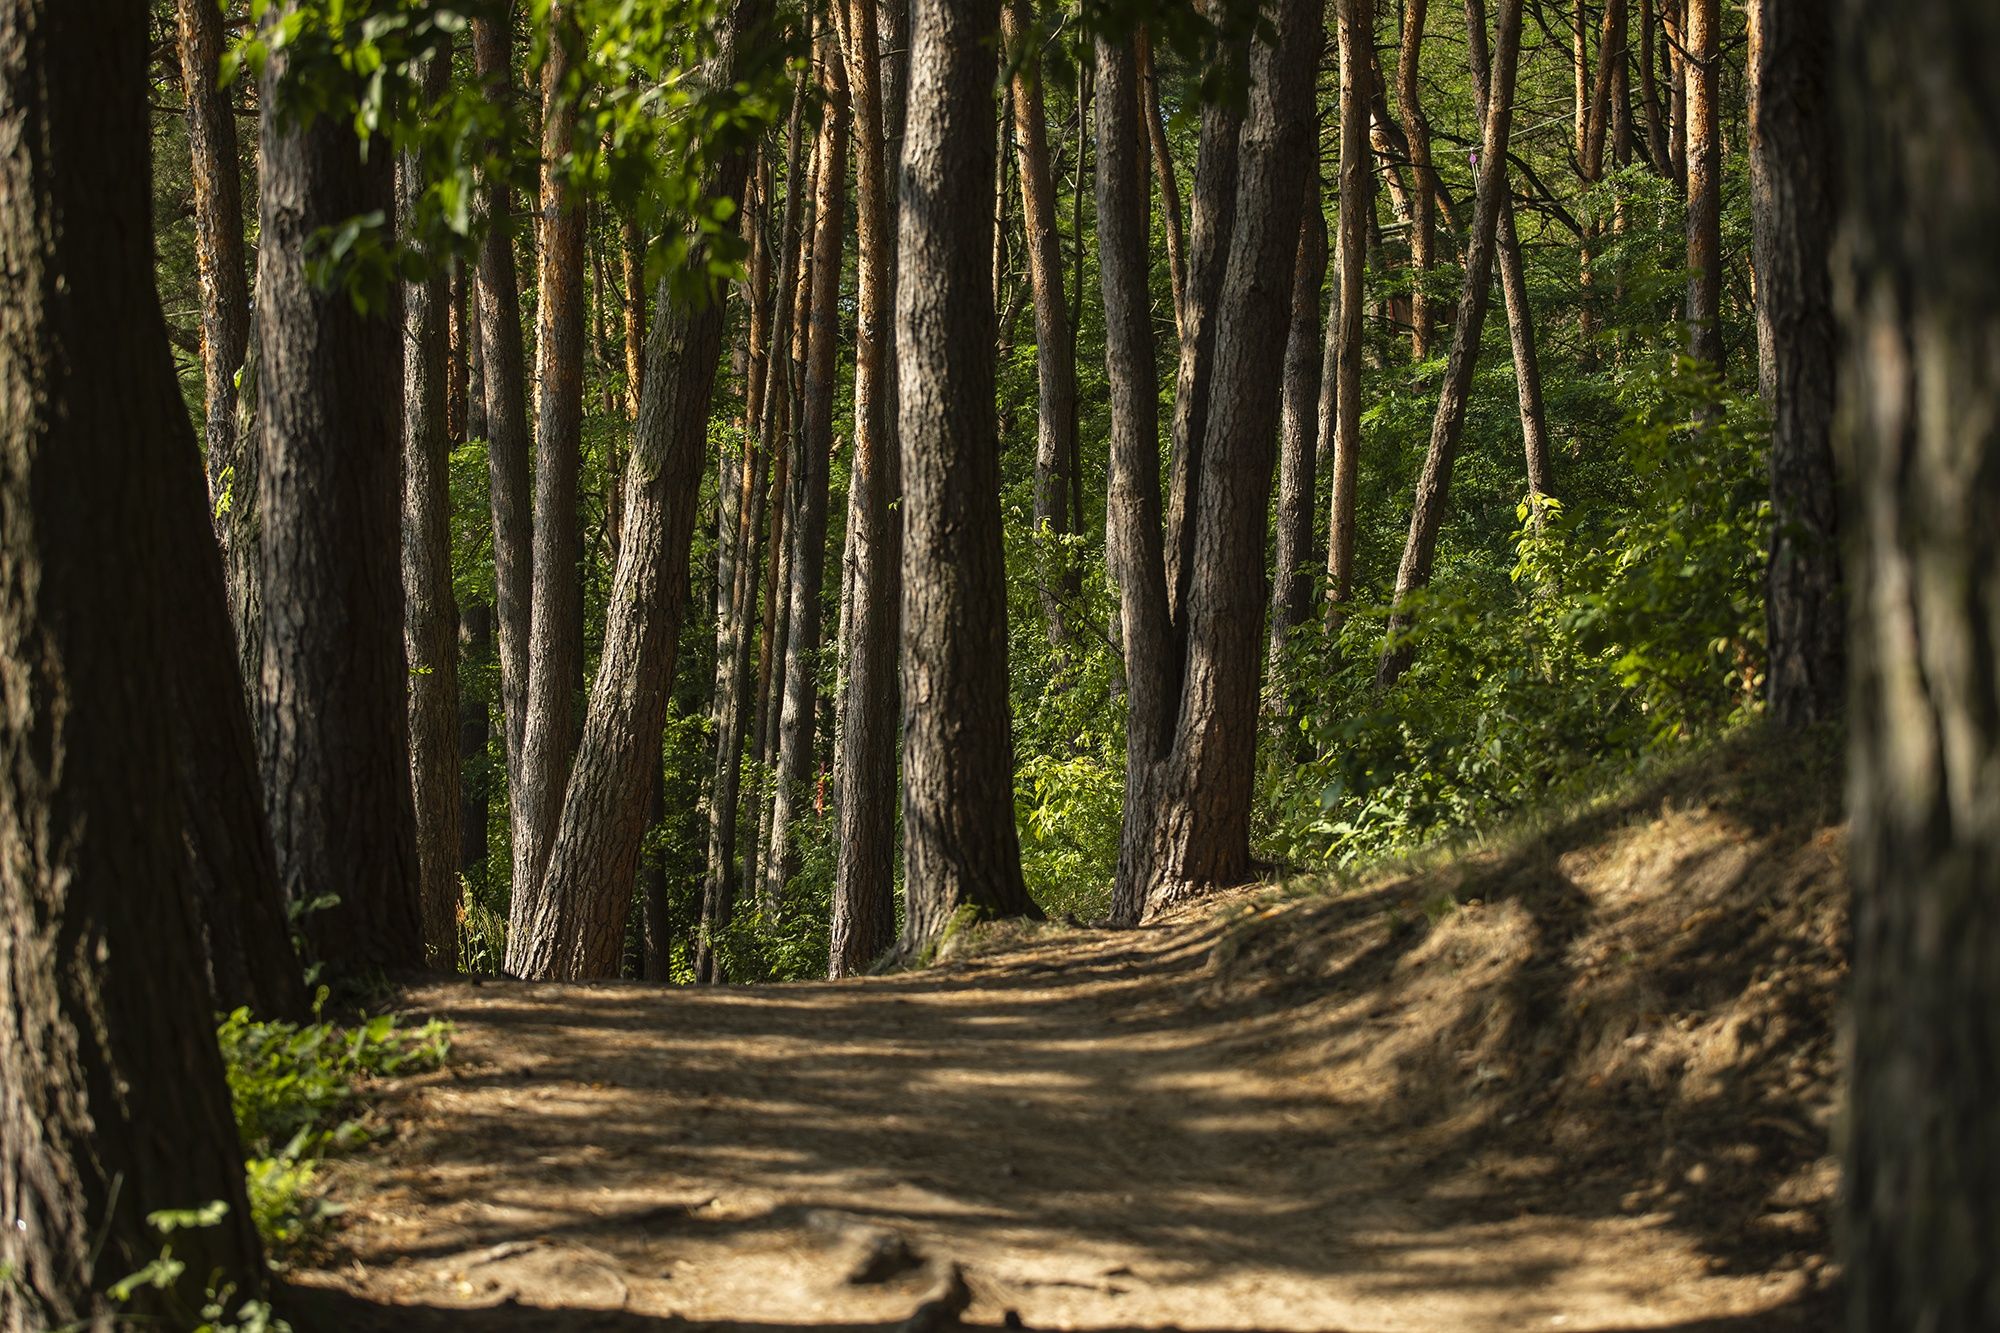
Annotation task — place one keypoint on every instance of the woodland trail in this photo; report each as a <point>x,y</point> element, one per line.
<point>1099,1127</point>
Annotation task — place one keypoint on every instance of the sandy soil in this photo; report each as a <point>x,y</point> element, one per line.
<point>1185,1126</point>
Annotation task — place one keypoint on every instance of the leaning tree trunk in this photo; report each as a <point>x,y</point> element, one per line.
<point>1793,187</point>
<point>335,735</point>
<point>1448,424</point>
<point>586,894</point>
<point>1196,828</point>
<point>1357,28</point>
<point>218,246</point>
<point>1163,168</point>
<point>503,371</point>
<point>1704,176</point>
<point>555,617</point>
<point>1514,292</point>
<point>112,1099</point>
<point>864,906</point>
<point>1919,430</point>
<point>430,613</point>
<point>962,852</point>
<point>800,705</point>
<point>1055,365</point>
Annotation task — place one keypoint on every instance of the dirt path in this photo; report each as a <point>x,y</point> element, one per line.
<point>1064,1119</point>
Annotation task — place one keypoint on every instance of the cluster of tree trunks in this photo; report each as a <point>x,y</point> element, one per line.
<point>149,834</point>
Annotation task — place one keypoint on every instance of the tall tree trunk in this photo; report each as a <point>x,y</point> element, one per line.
<point>1673,22</point>
<point>555,644</point>
<point>1357,28</point>
<point>768,485</point>
<point>1649,91</point>
<point>1423,212</point>
<point>1919,429</point>
<point>962,850</point>
<point>1579,31</point>
<point>1610,61</point>
<point>1793,183</point>
<point>1163,167</point>
<point>1215,190</point>
<point>784,518</point>
<point>243,549</point>
<point>246,943</point>
<point>864,906</point>
<point>503,371</point>
<point>734,623</point>
<point>218,246</point>
<point>335,733</point>
<point>1447,426</point>
<point>587,890</point>
<point>1055,365</point>
<point>1190,829</point>
<point>1704,175</point>
<point>1514,292</point>
<point>1298,436</point>
<point>430,613</point>
<point>475,642</point>
<point>112,1098</point>
<point>1133,545</point>
<point>800,705</point>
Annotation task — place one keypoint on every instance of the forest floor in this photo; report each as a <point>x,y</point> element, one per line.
<point>1580,1077</point>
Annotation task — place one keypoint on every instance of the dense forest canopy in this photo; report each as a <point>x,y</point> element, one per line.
<point>723,491</point>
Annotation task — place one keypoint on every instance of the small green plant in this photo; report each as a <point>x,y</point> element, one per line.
<point>164,1270</point>
<point>295,1089</point>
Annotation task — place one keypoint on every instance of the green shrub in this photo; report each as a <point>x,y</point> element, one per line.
<point>296,1092</point>
<point>1628,621</point>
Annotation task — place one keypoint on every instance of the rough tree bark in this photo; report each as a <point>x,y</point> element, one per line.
<point>1704,177</point>
<point>218,246</point>
<point>864,907</point>
<point>555,617</point>
<point>1448,424</point>
<point>1357,28</point>
<point>503,371</point>
<point>586,897</point>
<point>962,852</point>
<point>1793,184</point>
<point>112,1099</point>
<point>800,704</point>
<point>1918,432</point>
<point>430,613</point>
<point>332,720</point>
